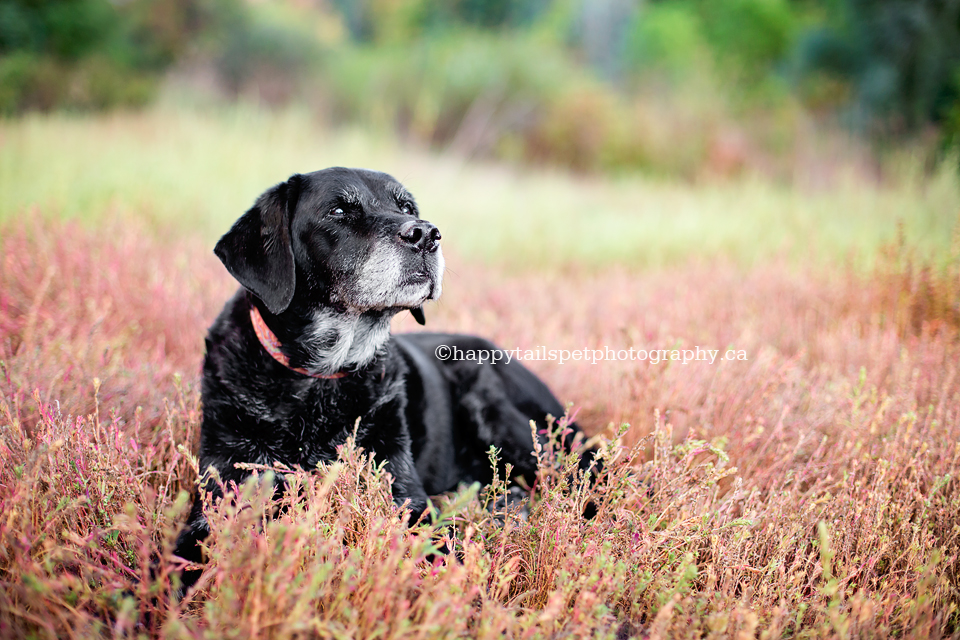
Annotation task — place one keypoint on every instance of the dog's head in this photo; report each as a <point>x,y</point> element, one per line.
<point>348,238</point>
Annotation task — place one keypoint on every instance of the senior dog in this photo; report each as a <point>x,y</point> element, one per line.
<point>304,349</point>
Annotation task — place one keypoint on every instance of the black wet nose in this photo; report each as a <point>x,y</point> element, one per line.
<point>420,235</point>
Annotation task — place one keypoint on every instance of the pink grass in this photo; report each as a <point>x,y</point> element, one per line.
<point>810,490</point>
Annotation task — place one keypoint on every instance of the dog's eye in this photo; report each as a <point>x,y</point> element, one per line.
<point>406,209</point>
<point>336,211</point>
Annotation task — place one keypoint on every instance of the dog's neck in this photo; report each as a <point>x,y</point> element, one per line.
<point>343,341</point>
<point>326,342</point>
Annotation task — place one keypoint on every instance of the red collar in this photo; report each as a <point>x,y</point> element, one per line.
<point>271,345</point>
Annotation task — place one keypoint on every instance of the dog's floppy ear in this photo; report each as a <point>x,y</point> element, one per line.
<point>257,250</point>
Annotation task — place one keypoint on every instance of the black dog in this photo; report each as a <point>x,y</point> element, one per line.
<point>304,348</point>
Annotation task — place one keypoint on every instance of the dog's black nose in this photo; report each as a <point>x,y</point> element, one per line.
<point>420,235</point>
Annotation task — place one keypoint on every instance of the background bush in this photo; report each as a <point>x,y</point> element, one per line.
<point>87,53</point>
<point>675,87</point>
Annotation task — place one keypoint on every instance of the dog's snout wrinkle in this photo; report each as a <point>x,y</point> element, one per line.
<point>420,235</point>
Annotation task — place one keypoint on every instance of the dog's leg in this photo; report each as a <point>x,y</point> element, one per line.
<point>489,416</point>
<point>498,409</point>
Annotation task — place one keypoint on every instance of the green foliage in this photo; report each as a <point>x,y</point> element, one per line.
<point>28,80</point>
<point>567,82</point>
<point>67,29</point>
<point>746,39</point>
<point>465,88</point>
<point>668,36</point>
<point>95,54</point>
<point>751,36</point>
<point>396,20</point>
<point>256,45</point>
<point>902,59</point>
<point>86,53</point>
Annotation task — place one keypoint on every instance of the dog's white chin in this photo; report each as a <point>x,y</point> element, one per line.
<point>410,296</point>
<point>381,281</point>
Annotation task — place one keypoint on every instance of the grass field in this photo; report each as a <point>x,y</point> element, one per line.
<point>176,167</point>
<point>810,490</point>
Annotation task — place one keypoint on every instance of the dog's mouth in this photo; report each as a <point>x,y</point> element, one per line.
<point>419,278</point>
<point>428,275</point>
<point>422,286</point>
<point>396,279</point>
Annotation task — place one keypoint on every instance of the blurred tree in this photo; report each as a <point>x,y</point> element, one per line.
<point>666,36</point>
<point>262,49</point>
<point>385,20</point>
<point>602,33</point>
<point>160,32</point>
<point>750,36</point>
<point>90,53</point>
<point>901,56</point>
<point>102,53</point>
<point>66,29</point>
<point>499,13</point>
